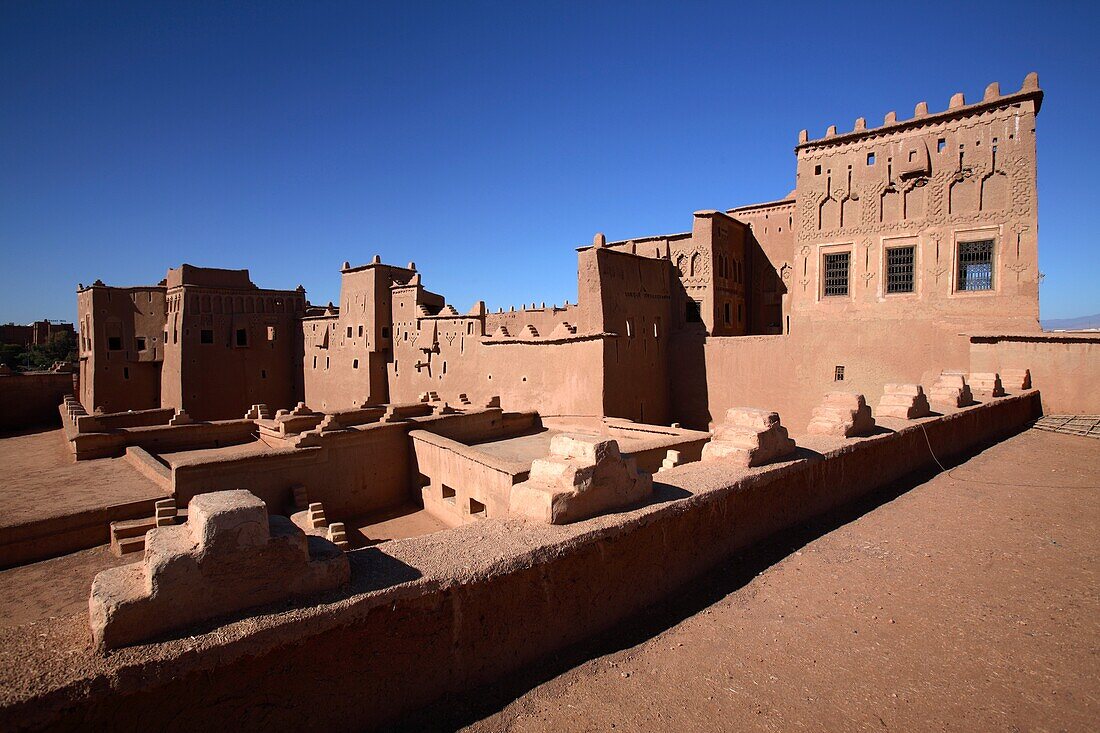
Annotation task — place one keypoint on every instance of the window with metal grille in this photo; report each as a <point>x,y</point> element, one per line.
<point>975,266</point>
<point>838,374</point>
<point>836,273</point>
<point>899,269</point>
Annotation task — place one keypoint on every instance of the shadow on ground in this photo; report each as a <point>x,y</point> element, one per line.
<point>456,711</point>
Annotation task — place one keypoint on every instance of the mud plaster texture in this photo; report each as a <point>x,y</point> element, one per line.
<point>969,603</point>
<point>451,612</point>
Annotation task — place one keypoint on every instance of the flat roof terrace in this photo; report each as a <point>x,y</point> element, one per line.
<point>49,498</point>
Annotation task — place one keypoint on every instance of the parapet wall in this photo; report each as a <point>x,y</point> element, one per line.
<point>445,613</point>
<point>352,472</point>
<point>1065,366</point>
<point>31,400</point>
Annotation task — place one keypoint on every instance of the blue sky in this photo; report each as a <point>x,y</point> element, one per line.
<point>482,140</point>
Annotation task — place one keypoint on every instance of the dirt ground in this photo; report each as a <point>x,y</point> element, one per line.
<point>56,587</point>
<point>39,478</point>
<point>969,603</point>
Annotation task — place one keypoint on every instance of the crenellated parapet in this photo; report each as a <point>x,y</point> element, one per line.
<point>956,107</point>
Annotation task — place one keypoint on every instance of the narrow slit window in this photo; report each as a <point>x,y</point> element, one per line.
<point>899,269</point>
<point>836,273</point>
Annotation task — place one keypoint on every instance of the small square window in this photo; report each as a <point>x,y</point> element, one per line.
<point>349,331</point>
<point>476,507</point>
<point>141,343</point>
<point>448,494</point>
<point>114,343</point>
<point>838,374</point>
<point>899,269</point>
<point>836,273</point>
<point>693,311</point>
<point>385,332</point>
<point>870,158</point>
<point>242,337</point>
<point>817,170</point>
<point>206,336</point>
<point>941,145</point>
<point>975,265</point>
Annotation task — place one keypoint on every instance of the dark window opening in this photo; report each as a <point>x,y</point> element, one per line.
<point>349,331</point>
<point>693,311</point>
<point>263,374</point>
<point>838,374</point>
<point>941,145</point>
<point>385,332</point>
<point>899,269</point>
<point>448,494</point>
<point>476,507</point>
<point>242,337</point>
<point>817,170</point>
<point>728,316</point>
<point>975,266</point>
<point>354,363</point>
<point>836,273</point>
<point>360,332</point>
<point>141,343</point>
<point>206,336</point>
<point>114,343</point>
<point>125,372</point>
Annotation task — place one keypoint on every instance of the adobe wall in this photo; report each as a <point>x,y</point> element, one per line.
<point>412,626</point>
<point>31,400</point>
<point>634,308</point>
<point>220,378</point>
<point>562,377</point>
<point>1064,366</point>
<point>930,182</point>
<point>127,377</point>
<point>161,438</point>
<point>442,463</point>
<point>352,472</point>
<point>792,373</point>
<point>769,252</point>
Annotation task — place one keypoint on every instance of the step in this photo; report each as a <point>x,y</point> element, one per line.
<point>131,528</point>
<point>130,545</point>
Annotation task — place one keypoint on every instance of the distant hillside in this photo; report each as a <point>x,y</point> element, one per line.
<point>1071,324</point>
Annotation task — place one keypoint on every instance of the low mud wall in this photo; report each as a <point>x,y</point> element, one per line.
<point>31,400</point>
<point>116,420</point>
<point>53,536</point>
<point>351,472</point>
<point>160,438</point>
<point>1065,366</point>
<point>447,612</point>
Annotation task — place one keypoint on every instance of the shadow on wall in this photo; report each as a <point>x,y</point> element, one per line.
<point>456,711</point>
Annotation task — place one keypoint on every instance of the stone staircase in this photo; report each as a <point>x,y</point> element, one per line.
<point>128,536</point>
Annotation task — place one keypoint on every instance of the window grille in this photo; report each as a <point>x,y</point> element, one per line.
<point>838,374</point>
<point>836,273</point>
<point>975,266</point>
<point>899,269</point>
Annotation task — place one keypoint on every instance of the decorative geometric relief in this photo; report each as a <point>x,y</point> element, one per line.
<point>994,191</point>
<point>965,194</point>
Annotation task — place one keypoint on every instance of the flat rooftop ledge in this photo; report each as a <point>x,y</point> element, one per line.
<point>418,608</point>
<point>1037,337</point>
